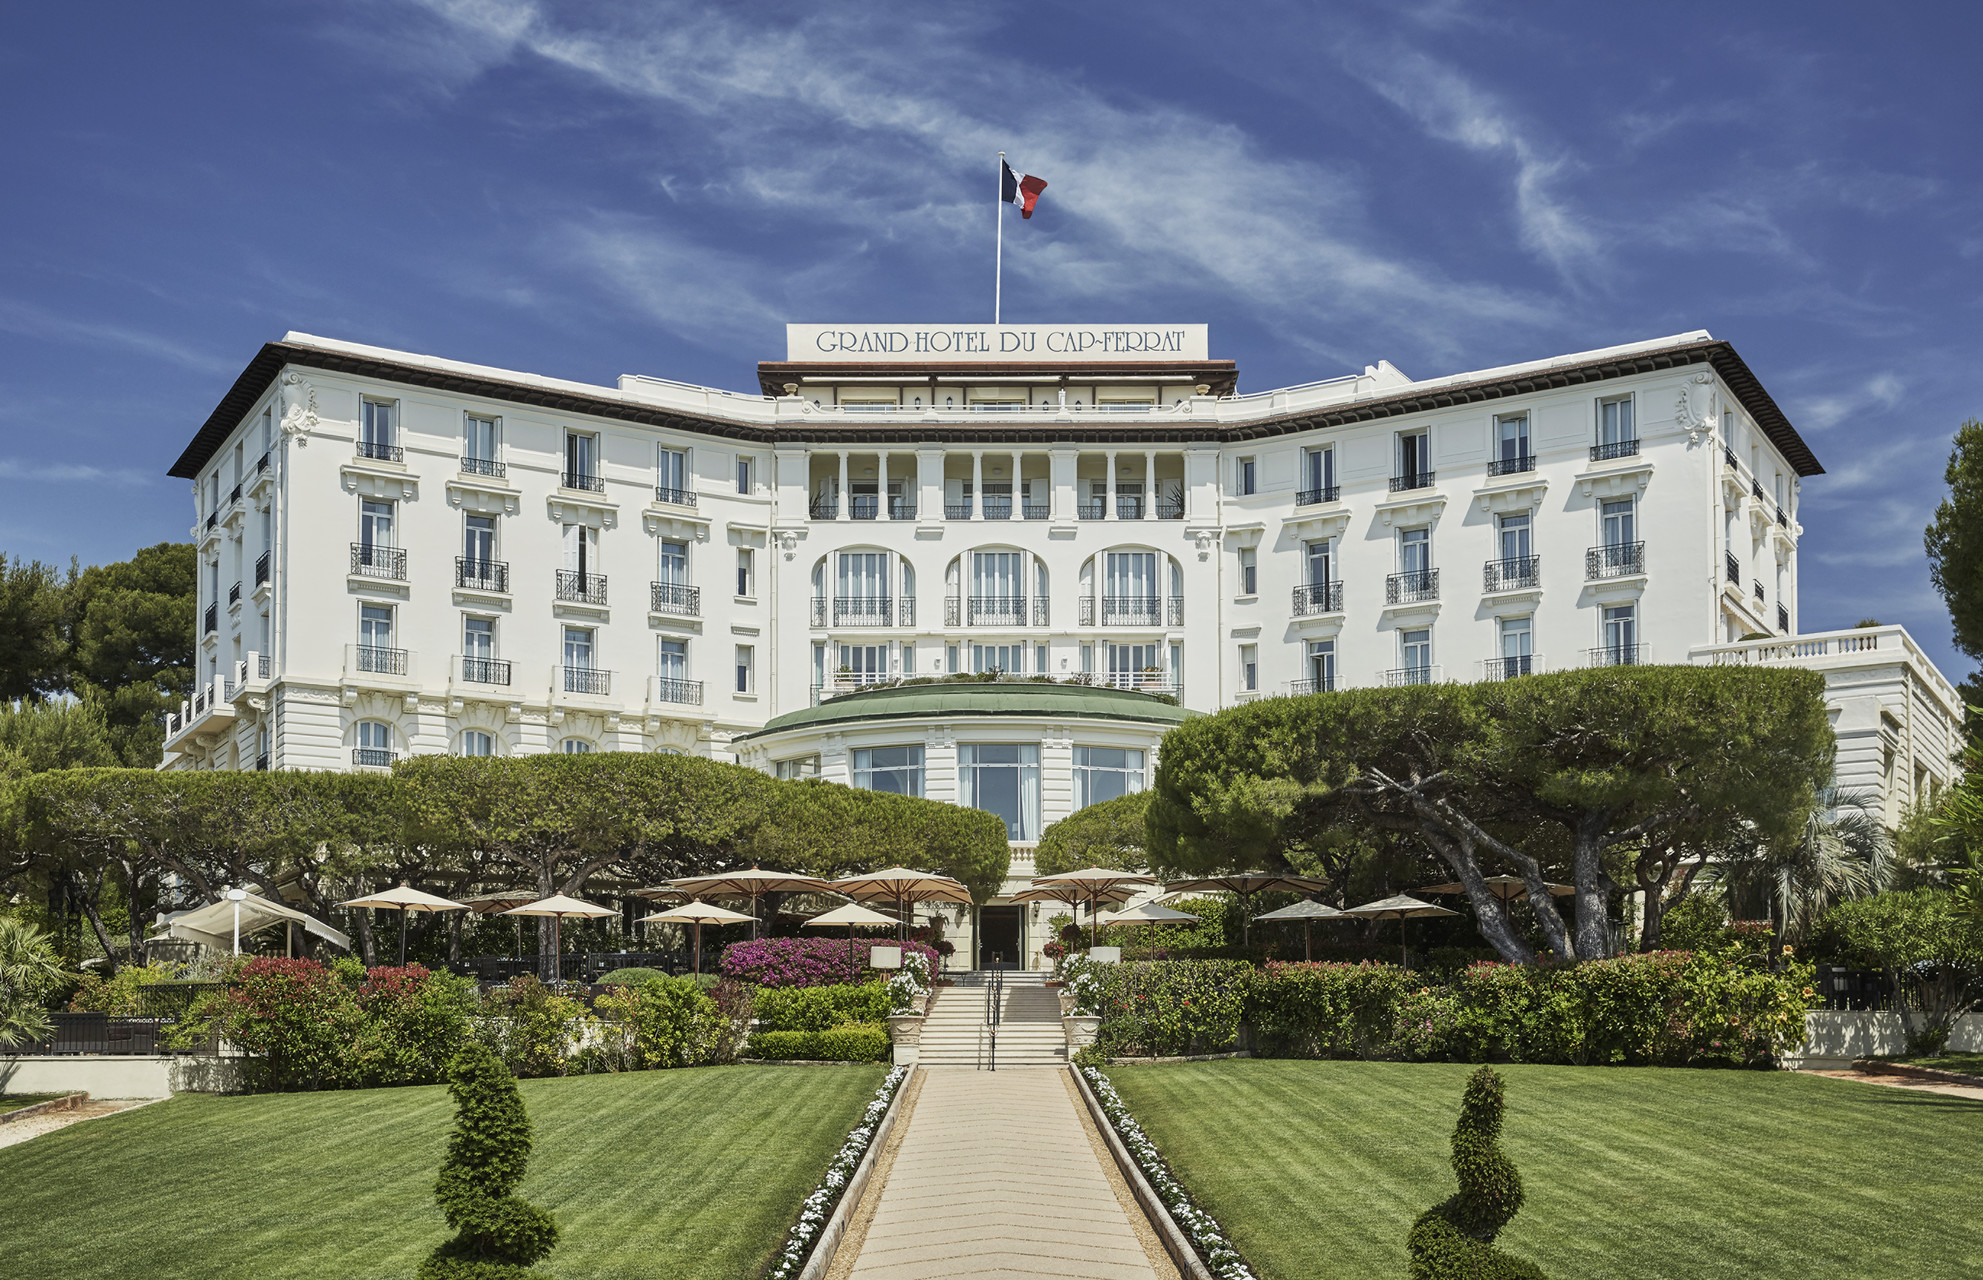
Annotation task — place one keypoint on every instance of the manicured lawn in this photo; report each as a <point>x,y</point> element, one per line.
<point>1318,1169</point>
<point>686,1175</point>
<point>1968,1063</point>
<point>15,1101</point>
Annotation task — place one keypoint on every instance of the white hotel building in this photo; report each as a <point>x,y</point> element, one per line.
<point>400,553</point>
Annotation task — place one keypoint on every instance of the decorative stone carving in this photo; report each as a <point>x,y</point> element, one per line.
<point>1695,425</point>
<point>299,408</point>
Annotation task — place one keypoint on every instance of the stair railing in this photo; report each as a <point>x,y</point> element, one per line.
<point>994,1010</point>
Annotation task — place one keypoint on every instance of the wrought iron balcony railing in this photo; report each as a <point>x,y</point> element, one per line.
<point>680,497</point>
<point>379,451</point>
<point>1093,509</point>
<point>261,568</point>
<point>379,661</point>
<point>1168,510</point>
<point>1783,619</point>
<point>995,611</point>
<point>212,620</point>
<point>481,575</point>
<point>1413,673</point>
<point>1311,497</point>
<point>1128,507</point>
<point>1318,597</point>
<point>1132,611</point>
<point>1324,684</point>
<point>1511,466</point>
<point>824,509</point>
<point>374,560</point>
<point>956,511</point>
<point>1728,457</point>
<point>1507,668</point>
<point>1756,490</point>
<point>1731,567</point>
<point>1415,480</point>
<point>863,611</point>
<point>1756,589</point>
<point>474,466</point>
<point>578,587</point>
<point>1614,449</point>
<point>1615,560</point>
<point>587,680</point>
<point>1035,510</point>
<point>901,508</point>
<point>1618,655</point>
<point>1406,588</point>
<point>675,598</point>
<point>234,496</point>
<point>485,670</point>
<point>373,757</point>
<point>997,507</point>
<point>907,608</point>
<point>583,480</point>
<point>261,666</point>
<point>234,595</point>
<point>863,506</point>
<point>686,692</point>
<point>213,520</point>
<point>1512,574</point>
<point>262,464</point>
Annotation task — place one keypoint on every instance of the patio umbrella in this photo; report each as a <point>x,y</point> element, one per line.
<point>1245,884</point>
<point>752,884</point>
<point>404,900</point>
<point>488,904</point>
<point>1398,907</point>
<point>850,915</point>
<point>1149,913</point>
<point>1506,888</point>
<point>903,887</point>
<point>697,914</point>
<point>558,906</point>
<point>1308,913</point>
<point>1091,885</point>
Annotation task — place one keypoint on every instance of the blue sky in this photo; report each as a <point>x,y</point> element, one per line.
<point>596,189</point>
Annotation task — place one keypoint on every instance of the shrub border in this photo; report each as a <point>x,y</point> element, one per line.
<point>810,1246</point>
<point>1191,1236</point>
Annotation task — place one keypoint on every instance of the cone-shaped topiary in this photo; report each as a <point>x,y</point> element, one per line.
<point>497,1235</point>
<point>1454,1240</point>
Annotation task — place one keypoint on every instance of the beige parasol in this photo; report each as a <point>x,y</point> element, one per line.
<point>1245,884</point>
<point>1094,886</point>
<point>850,915</point>
<point>903,887</point>
<point>1398,907</point>
<point>1308,913</point>
<point>1506,888</point>
<point>1148,913</point>
<point>558,906</point>
<point>752,884</point>
<point>697,914</point>
<point>403,900</point>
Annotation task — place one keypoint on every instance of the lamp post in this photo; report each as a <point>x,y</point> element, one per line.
<point>235,896</point>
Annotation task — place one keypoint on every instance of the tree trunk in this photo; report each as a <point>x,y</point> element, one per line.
<point>1490,913</point>
<point>1593,936</point>
<point>86,894</point>
<point>454,937</point>
<point>362,926</point>
<point>133,918</point>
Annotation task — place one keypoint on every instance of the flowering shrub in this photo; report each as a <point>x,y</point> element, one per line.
<point>535,1031</point>
<point>1164,1008</point>
<point>295,1020</point>
<point>122,994</point>
<point>819,1205</point>
<point>910,983</point>
<point>1217,1252</point>
<point>662,1022</point>
<point>810,962</point>
<point>415,1022</point>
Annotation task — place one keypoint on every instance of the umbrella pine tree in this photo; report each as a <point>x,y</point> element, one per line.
<point>497,1235</point>
<point>1455,1240</point>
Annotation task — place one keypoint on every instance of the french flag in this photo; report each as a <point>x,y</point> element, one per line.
<point>1024,192</point>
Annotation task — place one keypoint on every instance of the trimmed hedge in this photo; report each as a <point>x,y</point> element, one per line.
<point>820,1008</point>
<point>853,1042</point>
<point>629,977</point>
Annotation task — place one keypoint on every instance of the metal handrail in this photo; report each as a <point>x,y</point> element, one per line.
<point>994,1011</point>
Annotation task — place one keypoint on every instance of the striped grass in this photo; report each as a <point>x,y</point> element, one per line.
<point>1318,1169</point>
<point>689,1175</point>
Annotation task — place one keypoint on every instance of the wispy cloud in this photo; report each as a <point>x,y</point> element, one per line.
<point>1881,391</point>
<point>70,473</point>
<point>30,321</point>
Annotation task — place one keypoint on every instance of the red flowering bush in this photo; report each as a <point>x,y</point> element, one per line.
<point>810,962</point>
<point>296,1020</point>
<point>415,1022</point>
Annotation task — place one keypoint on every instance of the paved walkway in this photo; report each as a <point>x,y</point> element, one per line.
<point>996,1177</point>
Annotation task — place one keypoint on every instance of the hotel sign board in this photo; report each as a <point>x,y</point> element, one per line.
<point>1014,343</point>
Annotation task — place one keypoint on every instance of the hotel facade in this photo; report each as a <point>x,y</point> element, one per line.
<point>404,554</point>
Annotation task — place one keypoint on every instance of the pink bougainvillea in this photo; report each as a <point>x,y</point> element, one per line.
<point>809,962</point>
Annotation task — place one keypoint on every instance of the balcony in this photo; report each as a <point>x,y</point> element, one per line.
<point>1615,449</point>
<point>1756,589</point>
<point>985,611</point>
<point>901,508</point>
<point>1783,619</point>
<point>1618,655</point>
<point>372,560</point>
<point>1416,480</point>
<point>1128,506</point>
<point>374,660</point>
<point>262,464</point>
<point>1300,688</point>
<point>472,466</point>
<point>583,480</point>
<point>1511,466</point>
<point>1093,509</point>
<point>956,511</point>
<point>686,693</point>
<point>213,520</point>
<point>1410,588</point>
<point>847,680</point>
<point>373,757</point>
<point>680,497</point>
<point>590,681</point>
<point>578,587</point>
<point>863,506</point>
<point>1132,611</point>
<point>261,568</point>
<point>675,598</point>
<point>1615,560</point>
<point>997,507</point>
<point>1318,597</point>
<point>1149,680</point>
<point>1315,497</point>
<point>1756,490</point>
<point>1732,568</point>
<point>854,611</point>
<point>379,451</point>
<point>1728,457</point>
<point>1517,574</point>
<point>261,666</point>
<point>1417,673</point>
<point>1526,664</point>
<point>234,595</point>
<point>1782,518</point>
<point>234,497</point>
<point>485,671</point>
<point>212,620</point>
<point>209,711</point>
<point>1169,510</point>
<point>262,763</point>
<point>482,575</point>
<point>1035,510</point>
<point>824,509</point>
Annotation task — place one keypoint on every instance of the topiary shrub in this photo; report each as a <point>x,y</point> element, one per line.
<point>497,1235</point>
<point>1455,1240</point>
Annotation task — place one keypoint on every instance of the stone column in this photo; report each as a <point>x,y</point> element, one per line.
<point>881,486</point>
<point>844,509</point>
<point>1150,484</point>
<point>1108,503</point>
<point>1018,503</point>
<point>977,484</point>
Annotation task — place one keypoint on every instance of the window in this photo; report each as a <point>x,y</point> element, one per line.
<point>863,580</point>
<point>478,639</point>
<point>743,476</point>
<point>1414,461</point>
<point>1131,575</point>
<point>1321,658</point>
<point>746,668</point>
<point>672,476</point>
<point>213,492</point>
<point>1415,655</point>
<point>1318,562</point>
<point>578,648</point>
<point>1134,666</point>
<point>897,770</point>
<point>1517,656</point>
<point>1249,571</point>
<point>746,572</point>
<point>672,662</point>
<point>863,663</point>
<point>1618,523</point>
<point>1039,654</point>
<point>479,545</point>
<point>1621,636</point>
<point>581,551</point>
<point>1002,778</point>
<point>1249,667</point>
<point>1009,658</point>
<point>268,439</point>
<point>1511,444</point>
<point>374,747</point>
<point>797,767</point>
<point>374,627</point>
<point>477,743</point>
<point>478,446</point>
<point>1515,539</point>
<point>1245,480</point>
<point>1106,773</point>
<point>908,659</point>
<point>674,571</point>
<point>998,576</point>
<point>375,430</point>
<point>1318,475</point>
<point>1415,551</point>
<point>1614,421</point>
<point>575,747</point>
<point>375,523</point>
<point>581,461</point>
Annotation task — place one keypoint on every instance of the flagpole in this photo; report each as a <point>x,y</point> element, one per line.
<point>998,211</point>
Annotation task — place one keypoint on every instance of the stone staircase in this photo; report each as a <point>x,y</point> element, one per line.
<point>955,1033</point>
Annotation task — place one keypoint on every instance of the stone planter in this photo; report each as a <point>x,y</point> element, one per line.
<point>906,1030</point>
<point>1066,1003</point>
<point>1080,1030</point>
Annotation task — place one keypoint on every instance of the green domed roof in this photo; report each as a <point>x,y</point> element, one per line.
<point>943,699</point>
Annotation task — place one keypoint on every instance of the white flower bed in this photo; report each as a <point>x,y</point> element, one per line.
<point>910,983</point>
<point>819,1205</point>
<point>1198,1226</point>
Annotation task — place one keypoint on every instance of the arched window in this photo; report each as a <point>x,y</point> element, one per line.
<point>477,743</point>
<point>667,751</point>
<point>576,746</point>
<point>374,747</point>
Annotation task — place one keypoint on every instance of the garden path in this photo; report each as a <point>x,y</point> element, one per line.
<point>50,1121</point>
<point>1950,1088</point>
<point>996,1177</point>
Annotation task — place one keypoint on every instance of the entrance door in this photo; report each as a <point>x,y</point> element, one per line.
<point>999,938</point>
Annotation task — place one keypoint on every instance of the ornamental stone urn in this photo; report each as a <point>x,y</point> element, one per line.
<point>1080,1030</point>
<point>906,1030</point>
<point>1066,1002</point>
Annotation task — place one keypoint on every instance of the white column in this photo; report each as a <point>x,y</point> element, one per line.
<point>881,485</point>
<point>1150,485</point>
<point>1108,507</point>
<point>1018,504</point>
<point>844,509</point>
<point>977,484</point>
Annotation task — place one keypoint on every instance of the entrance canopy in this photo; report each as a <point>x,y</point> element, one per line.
<point>213,925</point>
